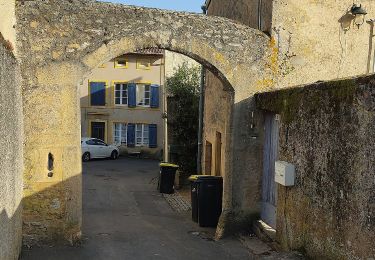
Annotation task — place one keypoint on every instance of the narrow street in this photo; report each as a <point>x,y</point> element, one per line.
<point>124,217</point>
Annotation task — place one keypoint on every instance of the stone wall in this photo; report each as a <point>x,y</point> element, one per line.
<point>327,131</point>
<point>244,11</point>
<point>11,163</point>
<point>310,41</point>
<point>317,40</point>
<point>242,169</point>
<point>308,37</point>
<point>215,121</point>
<point>60,42</point>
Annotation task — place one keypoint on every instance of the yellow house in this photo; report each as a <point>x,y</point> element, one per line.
<point>122,102</point>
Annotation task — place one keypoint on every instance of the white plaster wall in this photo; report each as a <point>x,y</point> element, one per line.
<point>8,20</point>
<point>173,60</point>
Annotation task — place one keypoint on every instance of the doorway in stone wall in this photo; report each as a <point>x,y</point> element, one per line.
<point>269,186</point>
<point>163,92</point>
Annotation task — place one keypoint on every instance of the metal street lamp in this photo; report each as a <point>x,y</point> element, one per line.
<point>359,14</point>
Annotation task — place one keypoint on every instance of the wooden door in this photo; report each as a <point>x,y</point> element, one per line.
<point>270,154</point>
<point>218,155</point>
<point>98,130</point>
<point>208,158</point>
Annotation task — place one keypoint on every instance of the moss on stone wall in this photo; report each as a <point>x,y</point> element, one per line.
<point>288,102</point>
<point>284,102</point>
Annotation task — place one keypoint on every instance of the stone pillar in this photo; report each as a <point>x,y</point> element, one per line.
<point>243,183</point>
<point>52,174</point>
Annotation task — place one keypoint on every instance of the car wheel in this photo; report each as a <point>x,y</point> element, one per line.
<point>114,155</point>
<point>86,157</point>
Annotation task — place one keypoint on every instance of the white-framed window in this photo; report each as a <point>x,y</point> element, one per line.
<point>121,94</point>
<point>141,134</point>
<point>120,133</point>
<point>143,95</point>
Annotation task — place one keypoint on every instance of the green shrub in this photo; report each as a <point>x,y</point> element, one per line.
<point>183,120</point>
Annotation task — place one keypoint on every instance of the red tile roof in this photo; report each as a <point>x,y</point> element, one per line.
<point>153,50</point>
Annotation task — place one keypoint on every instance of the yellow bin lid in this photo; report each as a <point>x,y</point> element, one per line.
<point>168,165</point>
<point>195,177</point>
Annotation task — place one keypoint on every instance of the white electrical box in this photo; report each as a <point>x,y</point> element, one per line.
<point>285,173</point>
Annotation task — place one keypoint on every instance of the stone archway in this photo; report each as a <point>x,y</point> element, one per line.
<point>61,41</point>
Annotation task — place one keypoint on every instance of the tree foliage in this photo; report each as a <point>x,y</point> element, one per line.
<point>183,87</point>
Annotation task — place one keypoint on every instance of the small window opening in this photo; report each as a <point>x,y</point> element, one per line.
<point>50,162</point>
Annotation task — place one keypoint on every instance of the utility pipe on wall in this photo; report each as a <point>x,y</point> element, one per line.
<point>260,15</point>
<point>201,113</point>
<point>165,109</point>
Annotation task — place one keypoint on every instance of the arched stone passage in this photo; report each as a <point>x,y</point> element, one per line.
<point>61,41</point>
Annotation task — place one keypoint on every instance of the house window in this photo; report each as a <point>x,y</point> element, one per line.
<point>120,133</point>
<point>121,94</point>
<point>144,64</point>
<point>143,95</point>
<point>121,63</point>
<point>142,133</point>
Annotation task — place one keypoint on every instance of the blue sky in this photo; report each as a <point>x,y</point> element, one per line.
<point>178,5</point>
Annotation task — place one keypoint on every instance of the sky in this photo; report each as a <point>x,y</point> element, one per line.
<point>178,5</point>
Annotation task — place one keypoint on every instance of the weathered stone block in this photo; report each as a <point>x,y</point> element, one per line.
<point>328,132</point>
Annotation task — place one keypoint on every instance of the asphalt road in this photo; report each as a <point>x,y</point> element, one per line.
<point>124,217</point>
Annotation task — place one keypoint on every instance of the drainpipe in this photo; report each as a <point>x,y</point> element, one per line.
<point>165,110</point>
<point>259,15</point>
<point>372,35</point>
<point>201,112</point>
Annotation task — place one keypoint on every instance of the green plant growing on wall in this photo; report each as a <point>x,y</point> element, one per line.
<point>183,119</point>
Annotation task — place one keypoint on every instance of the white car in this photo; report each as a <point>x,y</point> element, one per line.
<point>96,148</point>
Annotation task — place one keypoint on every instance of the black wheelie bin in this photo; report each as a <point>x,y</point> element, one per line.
<point>166,177</point>
<point>206,199</point>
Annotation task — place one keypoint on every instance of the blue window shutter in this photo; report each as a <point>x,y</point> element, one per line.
<point>153,136</point>
<point>154,96</point>
<point>131,135</point>
<point>97,93</point>
<point>132,96</point>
